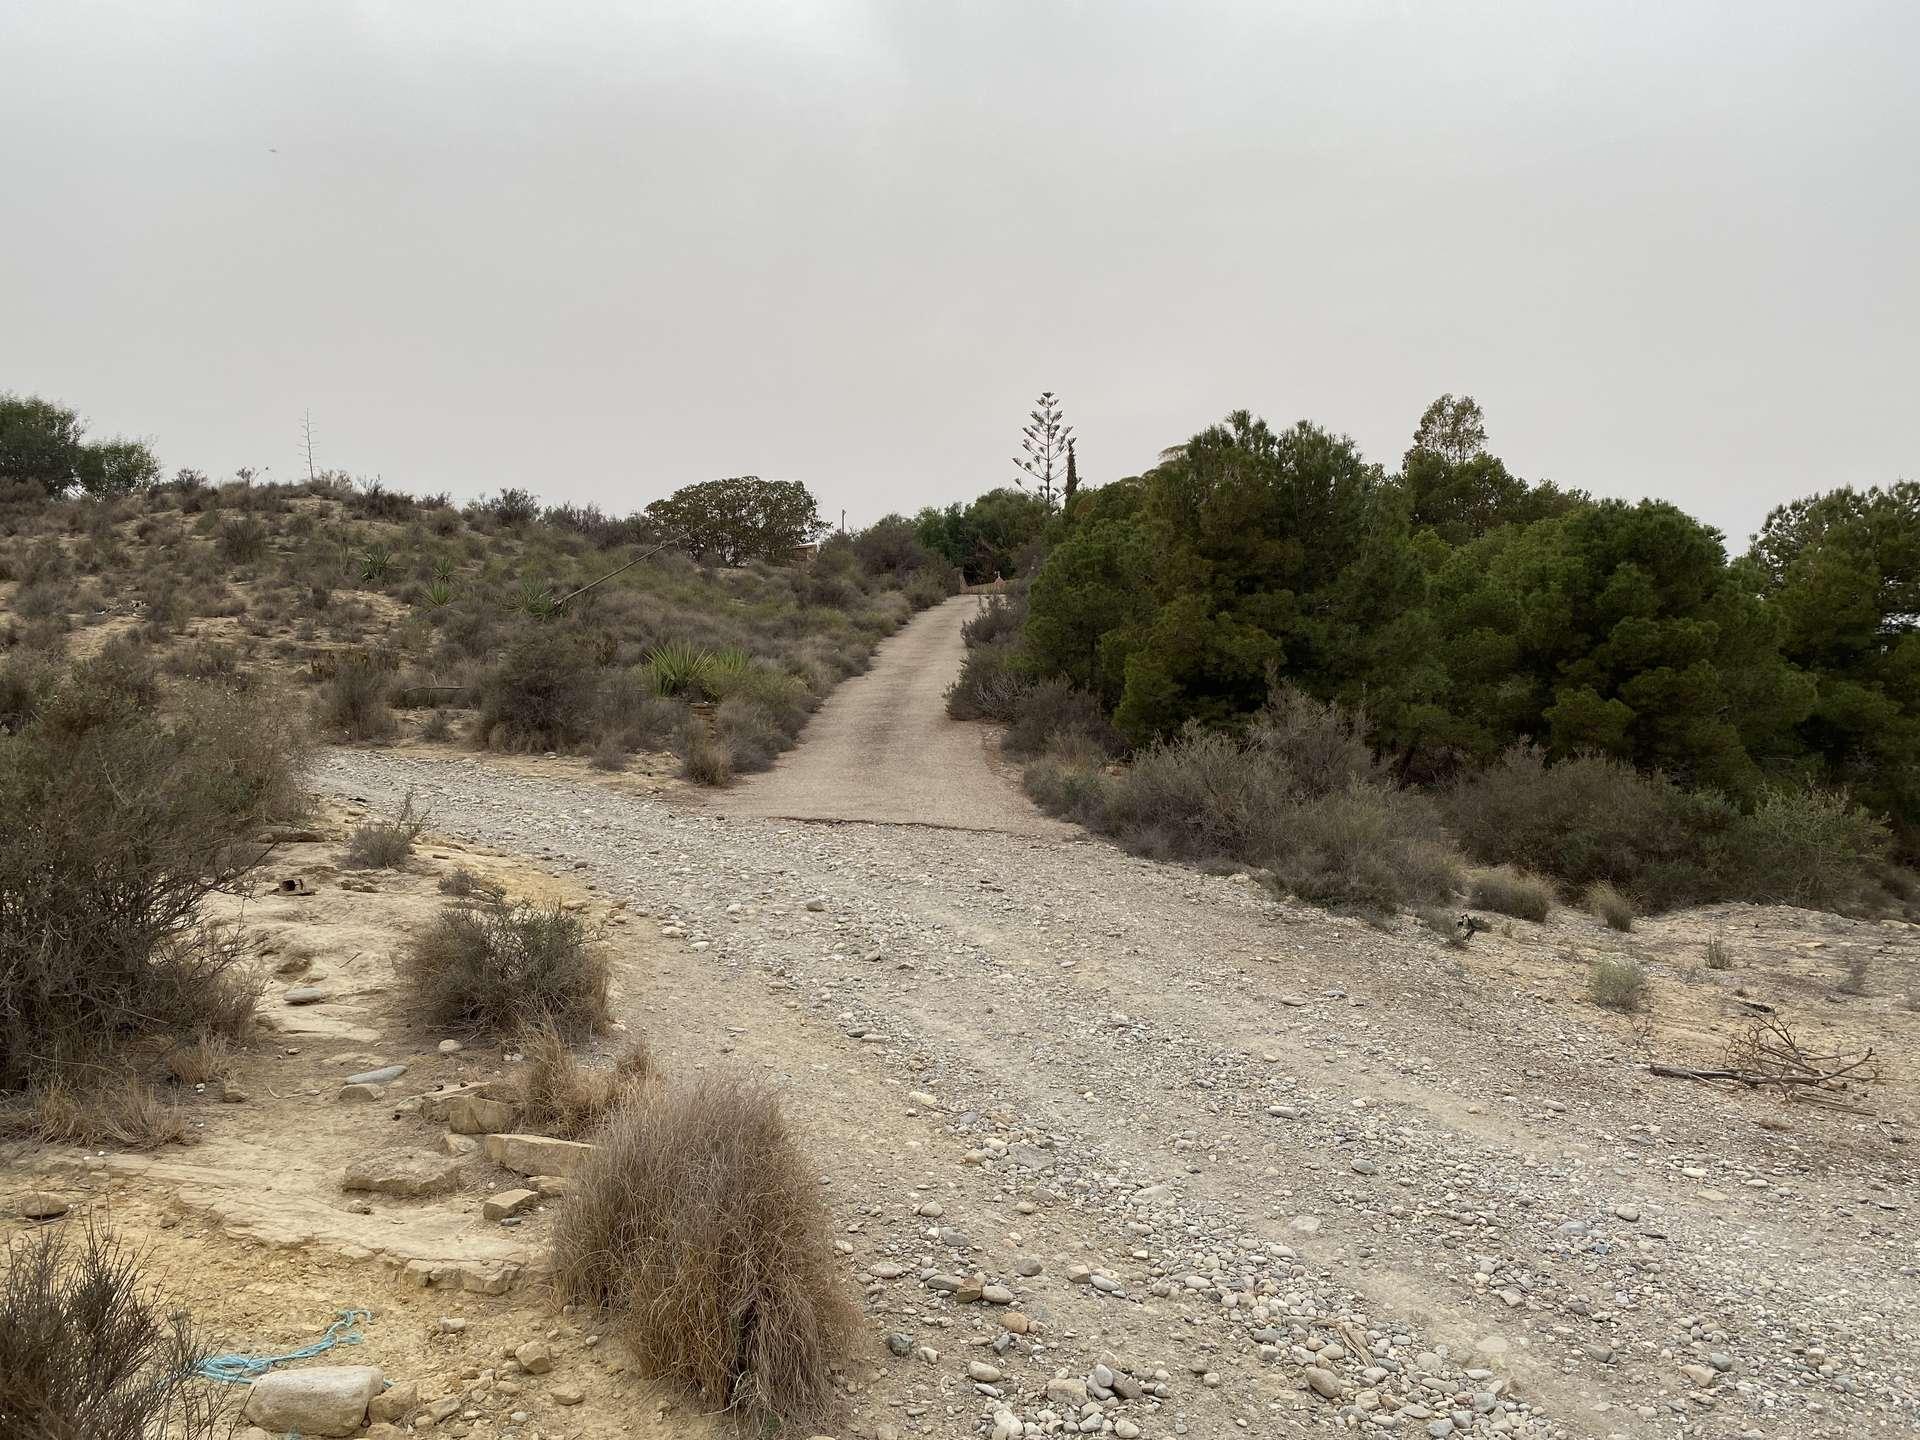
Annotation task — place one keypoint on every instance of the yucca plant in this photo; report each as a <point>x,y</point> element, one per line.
<point>437,595</point>
<point>680,668</point>
<point>534,598</point>
<point>376,565</point>
<point>444,567</point>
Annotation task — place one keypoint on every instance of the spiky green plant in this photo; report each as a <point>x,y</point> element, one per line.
<point>444,567</point>
<point>376,565</point>
<point>534,598</point>
<point>437,595</point>
<point>680,668</point>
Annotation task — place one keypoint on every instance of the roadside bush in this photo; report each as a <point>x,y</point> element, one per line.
<point>990,686</point>
<point>752,738</point>
<point>697,1226</point>
<point>1054,708</point>
<point>1609,906</point>
<point>492,967</point>
<point>1295,797</point>
<point>356,702</point>
<point>89,1353</point>
<point>1591,818</point>
<point>1618,985</point>
<point>385,844</point>
<point>1000,619</point>
<point>1507,891</point>
<point>539,697</point>
<point>124,809</point>
<point>100,1108</point>
<point>704,758</point>
<point>562,1097</point>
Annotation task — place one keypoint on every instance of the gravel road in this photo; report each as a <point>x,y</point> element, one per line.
<point>1247,1168</point>
<point>881,749</point>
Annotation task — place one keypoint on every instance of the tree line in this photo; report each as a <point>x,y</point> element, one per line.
<point>1466,611</point>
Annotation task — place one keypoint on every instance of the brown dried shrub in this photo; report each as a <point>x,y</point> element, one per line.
<point>697,1224</point>
<point>565,1098</point>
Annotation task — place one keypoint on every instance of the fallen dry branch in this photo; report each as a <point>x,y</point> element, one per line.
<point>1767,1055</point>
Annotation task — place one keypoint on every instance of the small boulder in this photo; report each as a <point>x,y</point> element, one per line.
<point>508,1203</point>
<point>406,1176</point>
<point>322,1400</point>
<point>38,1205</point>
<point>535,1357</point>
<point>396,1403</point>
<point>385,1075</point>
<point>305,995</point>
<point>477,1115</point>
<point>536,1154</point>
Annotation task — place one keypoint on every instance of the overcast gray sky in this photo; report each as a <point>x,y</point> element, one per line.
<point>602,250</point>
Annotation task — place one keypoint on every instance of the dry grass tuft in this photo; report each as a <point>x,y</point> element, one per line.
<point>1610,907</point>
<point>87,1353</point>
<point>120,1110</point>
<point>1508,891</point>
<point>707,760</point>
<point>1719,957</point>
<point>198,1061</point>
<point>565,1098</point>
<point>697,1224</point>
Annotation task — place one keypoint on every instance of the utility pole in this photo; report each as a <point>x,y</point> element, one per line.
<point>306,436</point>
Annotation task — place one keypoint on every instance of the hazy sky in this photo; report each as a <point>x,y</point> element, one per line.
<point>602,250</point>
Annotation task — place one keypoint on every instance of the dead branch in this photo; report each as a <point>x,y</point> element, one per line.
<point>1767,1055</point>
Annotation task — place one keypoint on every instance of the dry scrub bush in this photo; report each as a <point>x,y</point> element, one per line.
<point>704,758</point>
<point>87,1352</point>
<point>1719,957</point>
<point>1507,891</point>
<point>125,806</point>
<point>1618,984</point>
<point>1609,906</point>
<point>1298,795</point>
<point>356,703</point>
<point>385,844</point>
<point>540,696</point>
<point>487,966</point>
<point>462,883</point>
<point>565,1098</point>
<point>697,1225</point>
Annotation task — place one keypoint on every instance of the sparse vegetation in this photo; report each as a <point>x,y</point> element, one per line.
<point>1854,982</point>
<point>565,1098</point>
<point>1718,956</point>
<point>87,1352</point>
<point>385,844</point>
<point>705,759</point>
<point>1618,984</point>
<point>493,967</point>
<point>697,1226</point>
<point>1511,892</point>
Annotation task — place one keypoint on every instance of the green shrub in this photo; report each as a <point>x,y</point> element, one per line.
<point>1617,984</point>
<point>541,696</point>
<point>491,967</point>
<point>1507,891</point>
<point>999,620</point>
<point>125,807</point>
<point>1812,847</point>
<point>991,684</point>
<point>1051,709</point>
<point>241,539</point>
<point>1591,818</point>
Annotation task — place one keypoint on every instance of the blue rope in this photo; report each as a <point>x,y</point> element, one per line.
<point>240,1369</point>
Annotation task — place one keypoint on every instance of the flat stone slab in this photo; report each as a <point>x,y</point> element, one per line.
<point>403,1175</point>
<point>305,995</point>
<point>536,1154</point>
<point>385,1075</point>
